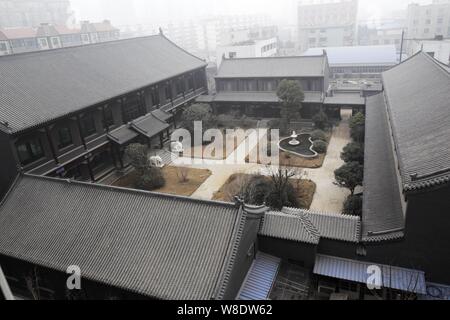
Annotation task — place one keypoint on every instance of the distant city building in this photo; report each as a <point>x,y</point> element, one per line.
<point>386,33</point>
<point>359,61</point>
<point>438,49</point>
<point>429,21</point>
<point>31,13</point>
<point>248,49</point>
<point>204,36</point>
<point>46,36</point>
<point>254,42</point>
<point>327,24</point>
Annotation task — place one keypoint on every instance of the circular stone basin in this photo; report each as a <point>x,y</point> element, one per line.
<point>304,149</point>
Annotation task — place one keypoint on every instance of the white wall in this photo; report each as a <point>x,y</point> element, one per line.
<point>249,51</point>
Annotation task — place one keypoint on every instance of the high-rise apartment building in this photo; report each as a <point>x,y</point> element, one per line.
<point>327,23</point>
<point>429,21</point>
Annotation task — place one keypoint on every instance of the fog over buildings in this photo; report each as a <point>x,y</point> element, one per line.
<point>123,12</point>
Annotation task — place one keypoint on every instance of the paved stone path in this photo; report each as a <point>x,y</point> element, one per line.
<point>329,198</point>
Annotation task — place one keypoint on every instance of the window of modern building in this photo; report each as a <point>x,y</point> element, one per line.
<point>30,151</point>
<point>64,137</point>
<point>88,125</point>
<point>426,30</point>
<point>232,55</point>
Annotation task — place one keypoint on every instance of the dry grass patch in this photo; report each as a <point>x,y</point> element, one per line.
<point>305,189</point>
<point>180,181</point>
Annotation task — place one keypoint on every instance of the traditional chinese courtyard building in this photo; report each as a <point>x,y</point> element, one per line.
<point>248,87</point>
<point>70,112</point>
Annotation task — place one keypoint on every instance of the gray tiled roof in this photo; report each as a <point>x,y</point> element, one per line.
<point>382,207</point>
<point>418,98</point>
<point>261,96</point>
<point>161,115</point>
<point>41,86</point>
<point>332,226</point>
<point>273,67</point>
<point>308,227</point>
<point>160,246</point>
<point>149,125</point>
<point>289,227</point>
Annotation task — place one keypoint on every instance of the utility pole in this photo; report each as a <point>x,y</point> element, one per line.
<point>401,46</point>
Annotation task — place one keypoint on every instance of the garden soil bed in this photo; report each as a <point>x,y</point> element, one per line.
<point>196,177</point>
<point>305,190</point>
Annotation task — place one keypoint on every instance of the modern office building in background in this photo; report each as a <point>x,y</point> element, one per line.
<point>327,24</point>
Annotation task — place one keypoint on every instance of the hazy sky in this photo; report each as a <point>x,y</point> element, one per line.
<point>123,12</point>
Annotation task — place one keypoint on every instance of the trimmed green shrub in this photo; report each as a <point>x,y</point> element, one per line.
<point>151,179</point>
<point>353,152</point>
<point>321,120</point>
<point>353,206</point>
<point>320,146</point>
<point>318,135</point>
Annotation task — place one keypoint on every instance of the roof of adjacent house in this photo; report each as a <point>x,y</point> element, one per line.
<point>46,30</point>
<point>382,207</point>
<point>418,100</point>
<point>273,67</point>
<point>308,226</point>
<point>3,37</point>
<point>358,55</point>
<point>19,33</point>
<point>156,245</point>
<point>39,87</point>
<point>103,26</point>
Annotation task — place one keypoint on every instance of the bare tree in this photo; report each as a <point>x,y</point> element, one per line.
<point>183,174</point>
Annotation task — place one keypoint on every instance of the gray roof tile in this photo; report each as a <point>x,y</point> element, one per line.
<point>39,87</point>
<point>418,98</point>
<point>156,245</point>
<point>382,207</point>
<point>308,227</point>
<point>273,67</point>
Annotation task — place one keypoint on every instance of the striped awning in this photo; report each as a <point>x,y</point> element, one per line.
<point>260,278</point>
<point>397,278</point>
